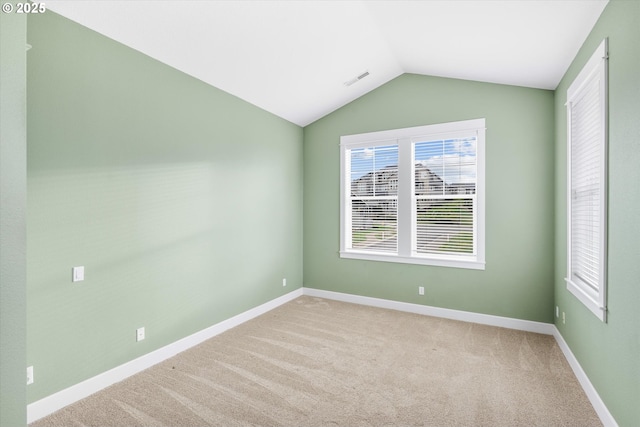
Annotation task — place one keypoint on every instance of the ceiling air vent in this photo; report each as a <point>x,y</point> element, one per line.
<point>356,79</point>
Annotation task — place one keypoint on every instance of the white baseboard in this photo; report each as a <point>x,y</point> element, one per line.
<point>446,313</point>
<point>597,403</point>
<point>485,319</point>
<point>59,400</point>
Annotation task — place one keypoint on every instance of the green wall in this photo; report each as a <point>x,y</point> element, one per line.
<point>183,203</point>
<point>518,280</point>
<point>609,352</point>
<point>186,206</point>
<point>13,201</point>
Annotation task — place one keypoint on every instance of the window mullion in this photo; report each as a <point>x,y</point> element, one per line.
<point>405,200</point>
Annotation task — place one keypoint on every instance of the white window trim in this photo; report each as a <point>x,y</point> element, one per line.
<point>595,69</point>
<point>405,139</point>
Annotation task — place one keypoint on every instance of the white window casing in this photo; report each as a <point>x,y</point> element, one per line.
<point>587,136</point>
<point>414,195</point>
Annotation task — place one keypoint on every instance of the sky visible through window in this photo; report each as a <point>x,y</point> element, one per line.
<point>366,160</point>
<point>453,160</point>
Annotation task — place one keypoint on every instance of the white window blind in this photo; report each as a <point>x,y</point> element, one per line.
<point>587,206</point>
<point>415,195</point>
<point>445,196</point>
<point>373,202</point>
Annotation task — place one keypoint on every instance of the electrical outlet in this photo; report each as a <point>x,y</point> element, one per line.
<point>284,282</point>
<point>30,375</point>
<point>557,311</point>
<point>421,290</point>
<point>563,318</point>
<point>140,334</point>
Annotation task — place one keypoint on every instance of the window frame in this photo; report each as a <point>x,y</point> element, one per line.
<point>593,75</point>
<point>406,138</point>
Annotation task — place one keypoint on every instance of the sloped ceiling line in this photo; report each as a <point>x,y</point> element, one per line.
<point>292,58</point>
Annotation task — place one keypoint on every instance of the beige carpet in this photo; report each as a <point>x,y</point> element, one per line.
<point>316,362</point>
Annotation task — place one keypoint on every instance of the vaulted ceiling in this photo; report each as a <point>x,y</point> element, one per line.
<point>295,58</point>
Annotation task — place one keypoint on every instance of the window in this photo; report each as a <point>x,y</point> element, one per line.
<point>414,195</point>
<point>587,184</point>
<point>373,200</point>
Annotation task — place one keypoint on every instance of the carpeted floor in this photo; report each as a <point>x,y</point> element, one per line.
<point>316,362</point>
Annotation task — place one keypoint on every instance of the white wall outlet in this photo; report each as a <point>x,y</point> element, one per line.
<point>139,334</point>
<point>284,282</point>
<point>557,311</point>
<point>30,375</point>
<point>77,274</point>
<point>563,318</point>
<point>421,290</point>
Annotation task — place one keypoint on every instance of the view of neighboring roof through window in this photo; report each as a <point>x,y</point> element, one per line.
<point>415,195</point>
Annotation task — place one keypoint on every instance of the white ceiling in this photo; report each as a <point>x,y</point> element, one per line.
<point>292,58</point>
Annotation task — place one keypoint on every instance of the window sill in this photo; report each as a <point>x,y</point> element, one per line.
<point>588,300</point>
<point>458,262</point>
